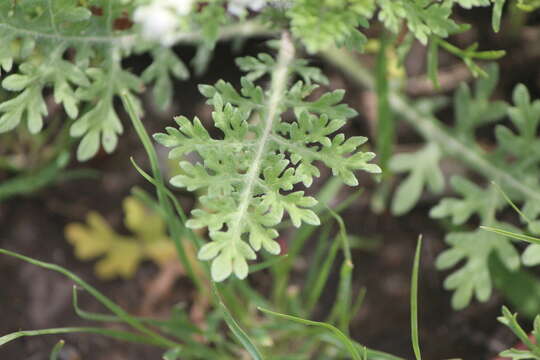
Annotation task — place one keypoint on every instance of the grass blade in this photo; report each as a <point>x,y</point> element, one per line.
<point>197,241</point>
<point>527,238</point>
<point>109,304</point>
<point>237,331</point>
<point>414,300</point>
<point>359,301</point>
<point>175,230</point>
<point>55,352</point>
<point>321,277</point>
<point>338,334</point>
<point>510,202</point>
<point>345,274</point>
<point>433,64</point>
<point>385,118</point>
<point>342,305</point>
<point>268,263</point>
<point>88,315</point>
<point>116,334</point>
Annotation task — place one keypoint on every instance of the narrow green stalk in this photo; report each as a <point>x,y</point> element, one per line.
<point>318,255</point>
<point>109,304</point>
<point>55,352</point>
<point>357,305</point>
<point>237,331</point>
<point>385,118</point>
<point>250,28</point>
<point>315,292</point>
<point>414,300</point>
<point>173,225</point>
<point>517,19</point>
<point>283,271</point>
<point>352,350</point>
<point>512,235</point>
<point>116,334</point>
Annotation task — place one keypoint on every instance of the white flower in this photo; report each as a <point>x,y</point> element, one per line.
<point>181,7</point>
<point>238,7</point>
<point>159,20</point>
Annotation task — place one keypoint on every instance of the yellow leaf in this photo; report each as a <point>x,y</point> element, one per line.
<point>161,251</point>
<point>90,241</point>
<point>146,224</point>
<point>122,260</point>
<point>120,255</point>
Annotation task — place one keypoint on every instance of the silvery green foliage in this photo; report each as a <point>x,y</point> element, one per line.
<point>250,173</point>
<point>337,21</point>
<point>76,50</point>
<point>513,163</point>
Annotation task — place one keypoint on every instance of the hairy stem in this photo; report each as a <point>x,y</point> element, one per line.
<point>276,93</point>
<point>248,28</point>
<point>429,127</point>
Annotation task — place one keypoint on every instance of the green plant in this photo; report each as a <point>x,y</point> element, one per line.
<point>251,195</point>
<point>269,141</point>
<point>512,163</point>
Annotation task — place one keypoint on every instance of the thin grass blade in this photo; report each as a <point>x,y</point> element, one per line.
<point>109,304</point>
<point>527,238</point>
<point>414,300</point>
<point>338,334</point>
<point>55,352</point>
<point>237,331</point>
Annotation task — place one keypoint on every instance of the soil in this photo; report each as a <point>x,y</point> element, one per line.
<point>32,298</point>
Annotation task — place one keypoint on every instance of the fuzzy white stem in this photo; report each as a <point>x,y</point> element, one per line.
<point>277,91</point>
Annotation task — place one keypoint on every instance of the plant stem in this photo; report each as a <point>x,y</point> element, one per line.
<point>109,304</point>
<point>276,94</point>
<point>249,28</point>
<point>175,229</point>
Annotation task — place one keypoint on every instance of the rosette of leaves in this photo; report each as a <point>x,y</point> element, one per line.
<point>251,172</point>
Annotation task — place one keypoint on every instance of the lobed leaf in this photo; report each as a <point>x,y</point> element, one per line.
<point>248,174</point>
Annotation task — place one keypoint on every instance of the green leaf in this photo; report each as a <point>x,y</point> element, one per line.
<point>473,278</point>
<point>528,5</point>
<point>165,66</point>
<point>532,351</point>
<point>263,64</point>
<point>475,110</point>
<point>423,169</point>
<point>101,124</point>
<point>475,201</point>
<point>497,14</point>
<point>249,172</point>
<point>336,22</point>
<point>521,287</point>
<point>423,17</point>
